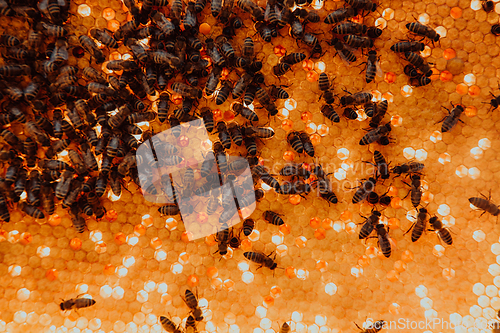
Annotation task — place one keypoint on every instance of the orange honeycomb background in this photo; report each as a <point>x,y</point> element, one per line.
<point>136,263</point>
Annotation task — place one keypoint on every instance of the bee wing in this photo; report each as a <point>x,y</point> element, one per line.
<point>379,69</point>
<point>267,12</point>
<point>343,57</point>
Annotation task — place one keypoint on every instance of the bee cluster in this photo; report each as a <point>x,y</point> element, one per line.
<point>71,134</point>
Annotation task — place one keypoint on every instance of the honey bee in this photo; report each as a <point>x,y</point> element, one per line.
<point>420,81</point>
<point>224,92</point>
<point>247,113</point>
<point>273,218</point>
<point>419,62</point>
<point>281,69</point>
<point>340,15</point>
<point>485,204</point>
<point>419,226</point>
<point>248,226</point>
<point>452,118</point>
<point>293,58</point>
<point>382,166</point>
<point>348,27</point>
<point>495,29</point>
<point>376,326</point>
<point>358,98</point>
<point>423,30</point>
<point>285,328</point>
<point>88,44</point>
<point>370,223</point>
<point>186,91</point>
<point>307,144</point>
<point>412,167</point>
<point>416,190</point>
<point>192,302</point>
<point>293,139</point>
<point>443,233</point>
<point>408,46</point>
<point>375,134</point>
<point>76,303</point>
<point>364,189</point>
<point>262,259</point>
<point>169,326</point>
<point>372,66</point>
<point>358,42</point>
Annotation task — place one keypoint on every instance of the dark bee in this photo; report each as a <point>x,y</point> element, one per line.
<point>269,180</point>
<point>234,242</point>
<point>370,223</point>
<point>452,118</point>
<point>385,200</point>
<point>328,111</point>
<point>169,209</point>
<point>224,92</point>
<point>103,36</point>
<point>192,302</point>
<point>250,94</point>
<point>285,328</point>
<point>265,100</point>
<point>222,236</point>
<point>358,42</point>
<point>408,46</point>
<point>208,119</point>
<point>261,259</point>
<point>420,81</point>
<point>88,44</point>
<point>273,218</point>
<point>47,198</point>
<point>213,80</point>
<point>252,8</point>
<point>241,85</point>
<point>307,144</point>
<point>247,50</point>
<point>419,226</point>
<point>371,66</point>
<point>349,113</point>
<point>76,303</point>
<point>412,167</point>
<point>310,40</point>
<point>383,239</point>
<point>9,40</point>
<point>419,62</point>
<point>375,134</point>
<point>347,27</point>
<point>373,32</point>
<point>411,71</point>
<point>295,170</point>
<point>382,166</point>
<point>175,126</point>
<point>358,98</point>
<point>442,232</point>
<point>32,211</point>
<point>235,133</point>
<point>258,132</point>
<point>169,326</point>
<point>488,5</point>
<point>248,226</point>
<point>186,91</point>
<point>4,210</point>
<point>362,5</point>
<point>281,69</point>
<point>485,204</point>
<point>293,58</point>
<point>376,326</point>
<point>224,136</point>
<point>247,113</point>
<point>495,29</point>
<point>250,145</point>
<point>364,189</point>
<point>293,139</point>
<point>416,190</point>
<point>163,106</point>
<point>423,30</point>
<point>340,15</point>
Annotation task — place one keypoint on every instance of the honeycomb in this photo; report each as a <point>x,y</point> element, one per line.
<point>136,264</point>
